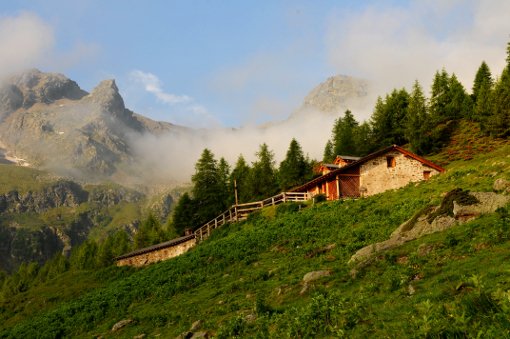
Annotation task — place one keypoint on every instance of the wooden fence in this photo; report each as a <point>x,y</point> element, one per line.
<point>241,211</point>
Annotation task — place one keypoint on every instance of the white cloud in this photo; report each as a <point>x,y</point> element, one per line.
<point>153,85</point>
<point>393,46</point>
<point>25,40</point>
<point>181,110</point>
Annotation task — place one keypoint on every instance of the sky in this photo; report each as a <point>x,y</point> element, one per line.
<point>235,63</point>
<point>225,64</point>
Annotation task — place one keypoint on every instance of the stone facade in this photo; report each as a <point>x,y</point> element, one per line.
<point>156,253</point>
<point>389,168</point>
<point>391,171</point>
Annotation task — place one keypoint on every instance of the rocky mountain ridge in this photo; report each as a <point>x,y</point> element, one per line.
<point>47,120</point>
<point>335,95</point>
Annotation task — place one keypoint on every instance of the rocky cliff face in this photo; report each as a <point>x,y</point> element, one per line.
<point>335,95</point>
<point>49,122</point>
<point>36,224</point>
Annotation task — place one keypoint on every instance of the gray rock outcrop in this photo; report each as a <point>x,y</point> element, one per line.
<point>454,210</point>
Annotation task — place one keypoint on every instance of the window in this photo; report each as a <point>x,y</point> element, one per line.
<point>426,175</point>
<point>390,161</point>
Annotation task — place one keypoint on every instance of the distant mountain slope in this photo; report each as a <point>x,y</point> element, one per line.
<point>335,95</point>
<point>48,121</point>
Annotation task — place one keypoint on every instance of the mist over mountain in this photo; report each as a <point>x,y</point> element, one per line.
<point>47,121</point>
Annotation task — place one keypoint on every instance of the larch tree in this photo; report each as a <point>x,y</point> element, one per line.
<point>240,176</point>
<point>418,122</point>
<point>482,96</point>
<point>294,168</point>
<point>263,179</point>
<point>343,135</point>
<point>329,153</point>
<point>499,123</point>
<point>207,184</point>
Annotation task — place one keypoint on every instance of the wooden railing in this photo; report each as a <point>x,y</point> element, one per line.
<point>241,211</point>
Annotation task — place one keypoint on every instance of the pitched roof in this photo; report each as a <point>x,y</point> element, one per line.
<point>162,245</point>
<point>365,159</point>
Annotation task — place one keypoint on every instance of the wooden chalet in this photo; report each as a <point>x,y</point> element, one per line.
<point>390,168</point>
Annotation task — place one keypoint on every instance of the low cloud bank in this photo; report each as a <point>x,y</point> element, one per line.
<point>171,157</point>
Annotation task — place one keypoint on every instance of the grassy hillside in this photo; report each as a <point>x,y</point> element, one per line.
<point>246,280</point>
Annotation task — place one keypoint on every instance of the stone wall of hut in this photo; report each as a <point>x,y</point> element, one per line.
<point>392,170</point>
<point>157,255</point>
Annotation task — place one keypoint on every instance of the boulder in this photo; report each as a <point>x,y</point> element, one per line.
<point>501,185</point>
<point>421,223</point>
<point>312,276</point>
<point>121,324</point>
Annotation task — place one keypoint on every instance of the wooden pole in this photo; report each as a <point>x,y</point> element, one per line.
<point>235,191</point>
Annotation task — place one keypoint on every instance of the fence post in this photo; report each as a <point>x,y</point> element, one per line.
<point>216,223</point>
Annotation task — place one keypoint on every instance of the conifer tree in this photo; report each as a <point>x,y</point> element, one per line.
<point>388,119</point>
<point>482,96</point>
<point>482,79</point>
<point>263,179</point>
<point>439,97</point>
<point>329,154</point>
<point>343,135</point>
<point>224,183</point>
<point>363,139</point>
<point>417,123</point>
<point>294,168</point>
<point>499,122</point>
<point>184,215</point>
<point>207,186</point>
<point>241,175</point>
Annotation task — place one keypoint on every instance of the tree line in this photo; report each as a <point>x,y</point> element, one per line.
<point>214,183</point>
<point>426,123</point>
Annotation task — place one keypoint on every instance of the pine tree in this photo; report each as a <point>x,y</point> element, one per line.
<point>149,233</point>
<point>417,123</point>
<point>241,175</point>
<point>388,119</point>
<point>293,169</point>
<point>329,154</point>
<point>224,183</point>
<point>184,215</point>
<point>499,122</point>
<point>482,79</point>
<point>363,139</point>
<point>440,97</point>
<point>263,179</point>
<point>343,135</point>
<point>206,188</point>
<point>482,96</point>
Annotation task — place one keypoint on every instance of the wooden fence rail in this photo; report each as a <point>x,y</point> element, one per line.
<point>241,211</point>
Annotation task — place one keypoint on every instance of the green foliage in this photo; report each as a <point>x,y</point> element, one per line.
<point>209,187</point>
<point>184,215</point>
<point>294,169</point>
<point>149,233</point>
<point>240,176</point>
<point>329,153</point>
<point>263,177</point>
<point>499,122</point>
<point>388,119</point>
<point>418,124</point>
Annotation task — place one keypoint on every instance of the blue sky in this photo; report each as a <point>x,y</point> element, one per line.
<point>233,63</point>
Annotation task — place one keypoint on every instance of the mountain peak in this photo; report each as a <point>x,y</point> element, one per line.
<point>335,93</point>
<point>107,95</point>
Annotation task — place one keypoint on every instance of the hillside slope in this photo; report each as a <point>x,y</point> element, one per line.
<point>247,279</point>
<point>41,214</point>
